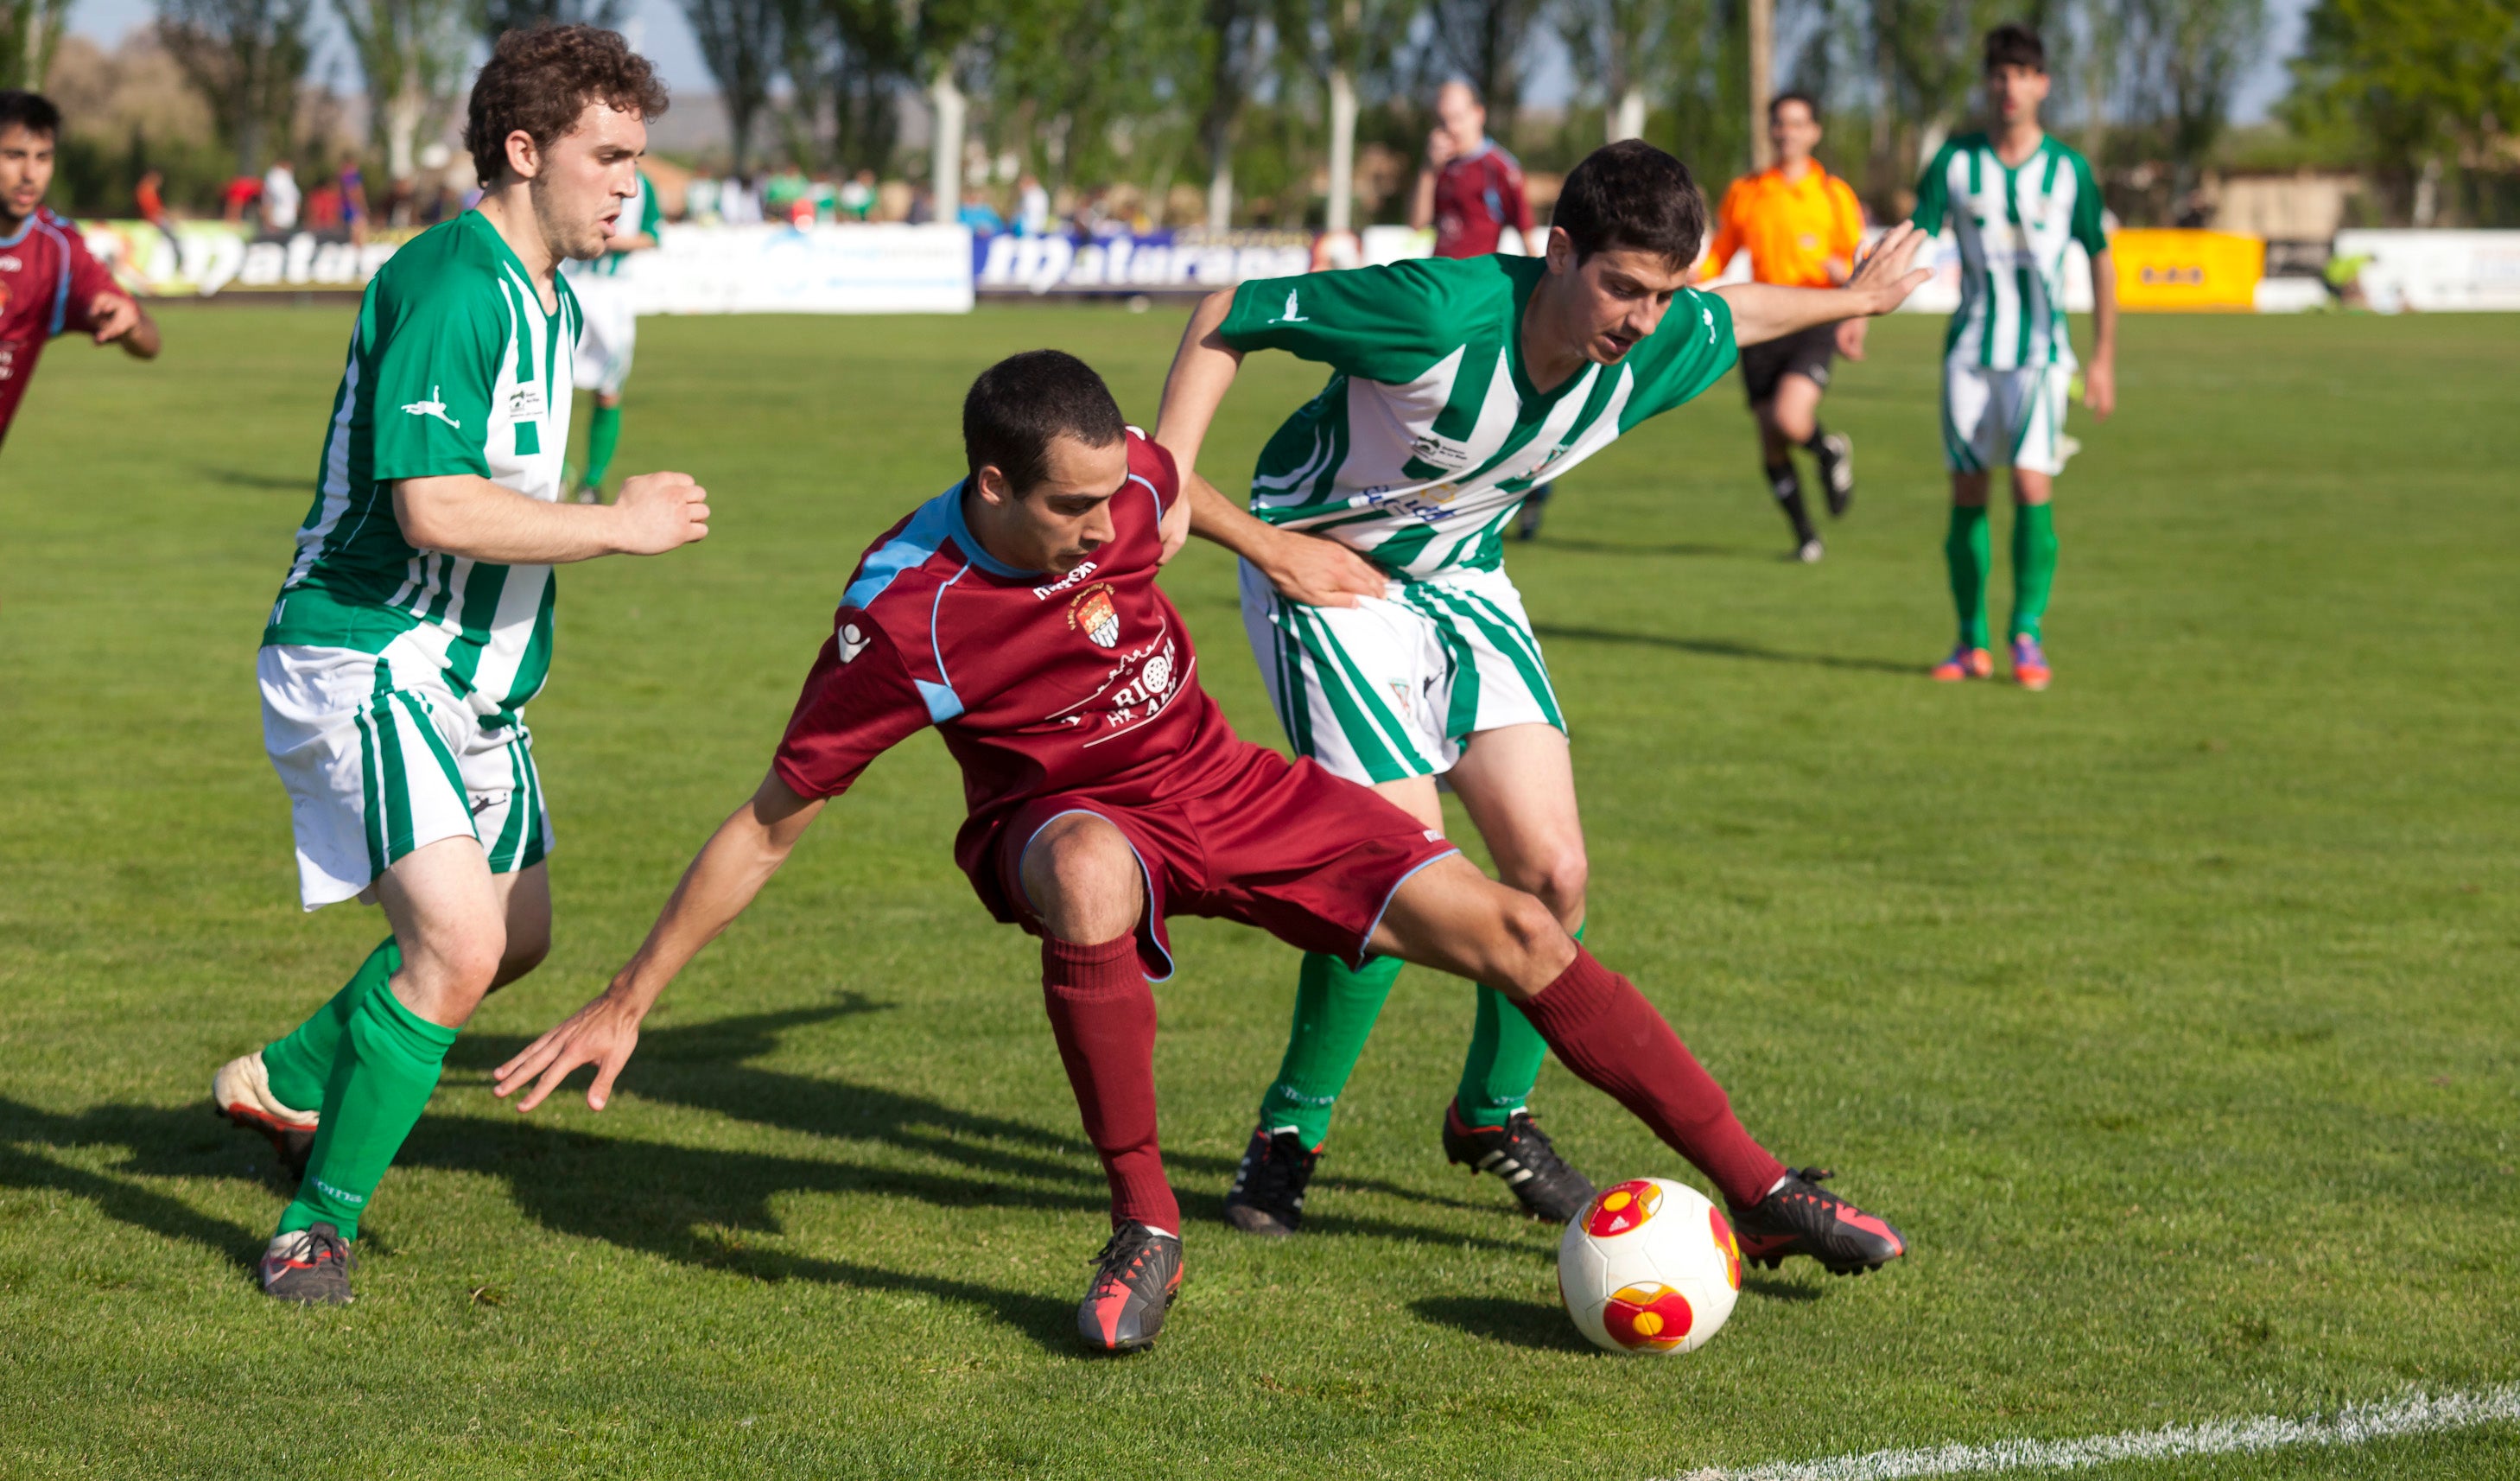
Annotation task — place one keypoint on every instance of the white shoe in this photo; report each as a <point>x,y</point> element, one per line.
<point>1809,551</point>
<point>240,1092</point>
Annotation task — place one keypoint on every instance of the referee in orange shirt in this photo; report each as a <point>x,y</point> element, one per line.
<point>1802,226</point>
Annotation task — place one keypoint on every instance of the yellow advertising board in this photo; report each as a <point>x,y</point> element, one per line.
<point>2173,271</point>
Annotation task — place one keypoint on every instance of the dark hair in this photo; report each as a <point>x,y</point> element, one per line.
<point>1023,401</point>
<point>2014,44</point>
<point>1631,194</point>
<point>1781,99</point>
<point>33,111</point>
<point>541,80</point>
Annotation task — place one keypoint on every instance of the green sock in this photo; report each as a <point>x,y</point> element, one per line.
<point>1335,1005</point>
<point>603,434</point>
<point>2034,566</point>
<point>1969,551</point>
<point>390,1061</point>
<point>301,1064</point>
<point>1503,1062</point>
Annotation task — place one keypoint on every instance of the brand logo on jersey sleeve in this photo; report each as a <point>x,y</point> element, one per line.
<point>853,640</point>
<point>1092,613</point>
<point>433,407</point>
<point>1290,316</point>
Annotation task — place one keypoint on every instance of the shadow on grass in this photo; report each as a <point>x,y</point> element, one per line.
<point>238,477</point>
<point>1716,648</point>
<point>1770,1288</point>
<point>1535,1325</point>
<point>156,1137</point>
<point>1619,548</point>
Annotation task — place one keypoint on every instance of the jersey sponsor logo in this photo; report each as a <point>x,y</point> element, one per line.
<point>433,407</point>
<point>525,404</point>
<point>853,640</point>
<point>1092,613</point>
<point>10,262</point>
<point>1442,451</point>
<point>1045,592</point>
<point>1290,316</point>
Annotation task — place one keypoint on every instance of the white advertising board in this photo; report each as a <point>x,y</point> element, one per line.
<point>881,269</point>
<point>2435,272</point>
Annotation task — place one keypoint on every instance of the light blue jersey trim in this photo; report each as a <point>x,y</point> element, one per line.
<point>943,703</point>
<point>1364,945</point>
<point>962,533</point>
<point>919,539</point>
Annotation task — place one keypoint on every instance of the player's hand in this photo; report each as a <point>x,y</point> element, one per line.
<point>1174,527</point>
<point>602,1033</point>
<point>1850,338</point>
<point>113,315</point>
<point>1888,273</point>
<point>1319,572</point>
<point>661,511</point>
<point>1439,148</point>
<point>2100,386</point>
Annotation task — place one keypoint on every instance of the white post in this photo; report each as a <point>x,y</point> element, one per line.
<point>1628,120</point>
<point>1220,196</point>
<point>945,175</point>
<point>1763,79</point>
<point>1343,150</point>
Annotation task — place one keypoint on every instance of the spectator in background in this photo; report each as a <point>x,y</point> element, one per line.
<point>149,198</point>
<point>923,207</point>
<point>279,198</point>
<point>978,214</point>
<point>700,200</point>
<point>857,196</point>
<point>324,207</point>
<point>237,198</point>
<point>1032,207</point>
<point>355,199</point>
<point>738,201</point>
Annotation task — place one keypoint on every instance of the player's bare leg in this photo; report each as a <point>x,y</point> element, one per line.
<point>1449,916</point>
<point>1788,420</point>
<point>1084,881</point>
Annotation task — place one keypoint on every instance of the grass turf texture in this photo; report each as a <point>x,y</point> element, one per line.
<point>2171,1012</point>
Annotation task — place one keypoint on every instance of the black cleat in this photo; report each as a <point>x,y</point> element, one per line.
<point>1135,1279</point>
<point>1520,1153</point>
<point>1526,521</point>
<point>1268,1195</point>
<point>1836,458</point>
<point>309,1266</point>
<point>1798,1217</point>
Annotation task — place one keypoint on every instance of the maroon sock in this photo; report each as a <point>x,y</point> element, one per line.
<point>1104,1015</point>
<point>1606,1031</point>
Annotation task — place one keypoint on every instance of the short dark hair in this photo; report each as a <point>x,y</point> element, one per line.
<point>2014,44</point>
<point>542,80</point>
<point>33,111</point>
<point>1783,98</point>
<point>1631,194</point>
<point>1023,401</point>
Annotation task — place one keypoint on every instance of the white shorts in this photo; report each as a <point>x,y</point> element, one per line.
<point>2006,418</point>
<point>610,335</point>
<point>1395,687</point>
<point>379,764</point>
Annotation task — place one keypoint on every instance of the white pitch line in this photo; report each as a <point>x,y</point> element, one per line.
<point>2354,1424</point>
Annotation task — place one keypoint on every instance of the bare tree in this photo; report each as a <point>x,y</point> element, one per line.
<point>1486,41</point>
<point>412,54</point>
<point>1236,35</point>
<point>245,56</point>
<point>2184,59</point>
<point>1627,45</point>
<point>29,30</point>
<point>741,40</point>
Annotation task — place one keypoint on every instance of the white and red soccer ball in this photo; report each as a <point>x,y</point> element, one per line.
<point>1649,1266</point>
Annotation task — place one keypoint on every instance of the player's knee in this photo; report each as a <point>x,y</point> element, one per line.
<point>522,956</point>
<point>461,968</point>
<point>1084,878</point>
<point>1559,881</point>
<point>1532,947</point>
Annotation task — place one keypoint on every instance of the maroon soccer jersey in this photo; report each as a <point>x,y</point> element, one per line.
<point>1477,197</point>
<point>1081,694</point>
<point>47,281</point>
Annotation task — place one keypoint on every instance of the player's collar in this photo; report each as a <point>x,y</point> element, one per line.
<point>25,228</point>
<point>969,544</point>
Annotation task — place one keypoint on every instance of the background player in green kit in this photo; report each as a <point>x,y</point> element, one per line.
<point>1393,643</point>
<point>2017,200</point>
<point>416,623</point>
<point>609,338</point>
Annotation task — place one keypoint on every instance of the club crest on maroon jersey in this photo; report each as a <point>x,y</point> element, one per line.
<point>1092,613</point>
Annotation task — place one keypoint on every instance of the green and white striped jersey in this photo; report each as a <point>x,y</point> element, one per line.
<point>454,368</point>
<point>1429,433</point>
<point>2013,225</point>
<point>640,217</point>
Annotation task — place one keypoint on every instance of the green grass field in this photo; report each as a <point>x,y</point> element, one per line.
<point>2175,1014</point>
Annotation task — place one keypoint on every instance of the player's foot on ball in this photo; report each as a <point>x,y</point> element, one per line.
<point>1135,1279</point>
<point>240,1094</point>
<point>1966,662</point>
<point>308,1265</point>
<point>1520,1153</point>
<point>1268,1193</point>
<point>1836,458</point>
<point>1798,1217</point>
<point>1810,551</point>
<point>2029,665</point>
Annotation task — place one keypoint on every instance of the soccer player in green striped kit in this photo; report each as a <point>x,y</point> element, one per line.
<point>415,622</point>
<point>2017,200</point>
<point>1392,641</point>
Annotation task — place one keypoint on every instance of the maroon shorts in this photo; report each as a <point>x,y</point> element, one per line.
<point>1310,858</point>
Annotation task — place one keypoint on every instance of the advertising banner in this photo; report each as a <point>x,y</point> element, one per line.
<point>854,269</point>
<point>2187,271</point>
<point>206,257</point>
<point>2435,272</point>
<point>1139,262</point>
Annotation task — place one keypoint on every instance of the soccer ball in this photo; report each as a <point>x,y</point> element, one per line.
<point>1649,1266</point>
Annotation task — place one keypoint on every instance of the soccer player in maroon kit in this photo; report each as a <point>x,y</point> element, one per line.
<point>1018,613</point>
<point>48,283</point>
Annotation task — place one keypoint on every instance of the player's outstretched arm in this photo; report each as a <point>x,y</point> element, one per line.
<point>462,515</point>
<point>1305,568</point>
<point>121,320</point>
<point>2101,377</point>
<point>738,859</point>
<point>1882,281</point>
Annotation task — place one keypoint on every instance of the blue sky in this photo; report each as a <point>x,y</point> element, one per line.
<point>660,32</point>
